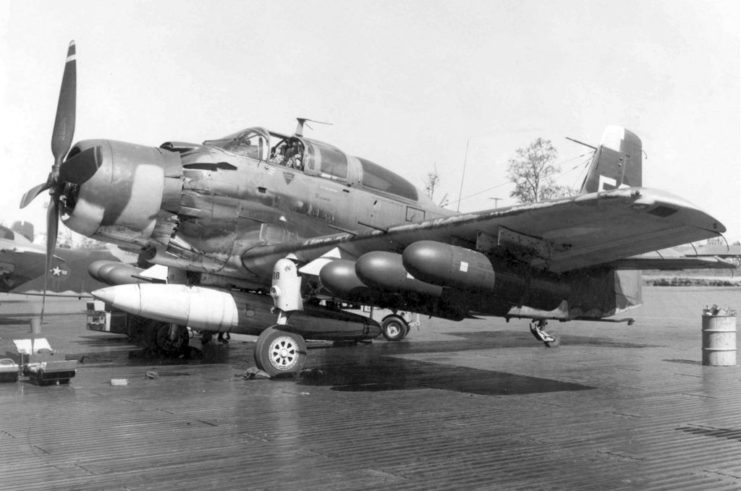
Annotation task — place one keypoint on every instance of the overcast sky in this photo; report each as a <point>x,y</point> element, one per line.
<point>405,84</point>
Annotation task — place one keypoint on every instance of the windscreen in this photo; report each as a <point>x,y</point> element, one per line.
<point>252,142</point>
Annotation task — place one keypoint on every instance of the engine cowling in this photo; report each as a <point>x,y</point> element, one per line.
<point>121,198</point>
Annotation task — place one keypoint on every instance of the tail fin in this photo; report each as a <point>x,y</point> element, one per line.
<point>617,162</point>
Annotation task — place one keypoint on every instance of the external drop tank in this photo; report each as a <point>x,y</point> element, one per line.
<point>219,310</point>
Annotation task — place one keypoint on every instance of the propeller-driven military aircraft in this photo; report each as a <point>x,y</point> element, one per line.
<point>263,232</point>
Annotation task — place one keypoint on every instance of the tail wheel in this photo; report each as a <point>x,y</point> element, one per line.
<point>555,343</point>
<point>394,328</point>
<point>280,352</point>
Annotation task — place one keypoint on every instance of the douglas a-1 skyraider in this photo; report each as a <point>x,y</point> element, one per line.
<point>264,233</point>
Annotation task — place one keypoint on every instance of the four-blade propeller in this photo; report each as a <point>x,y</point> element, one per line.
<point>61,141</point>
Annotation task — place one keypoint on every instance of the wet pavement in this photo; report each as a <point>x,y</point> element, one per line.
<point>472,405</point>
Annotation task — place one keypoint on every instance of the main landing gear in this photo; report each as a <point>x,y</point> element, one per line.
<point>537,327</point>
<point>159,338</point>
<point>394,328</point>
<point>279,351</point>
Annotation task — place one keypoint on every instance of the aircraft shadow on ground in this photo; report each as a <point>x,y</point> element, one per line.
<point>380,369</point>
<point>389,373</point>
<point>381,366</point>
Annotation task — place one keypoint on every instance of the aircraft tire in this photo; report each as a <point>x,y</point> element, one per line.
<point>172,344</point>
<point>555,343</point>
<point>279,352</point>
<point>394,328</point>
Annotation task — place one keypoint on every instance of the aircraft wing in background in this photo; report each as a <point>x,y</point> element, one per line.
<point>671,260</point>
<point>19,263</point>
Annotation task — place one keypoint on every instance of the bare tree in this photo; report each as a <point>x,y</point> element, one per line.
<point>532,172</point>
<point>431,183</point>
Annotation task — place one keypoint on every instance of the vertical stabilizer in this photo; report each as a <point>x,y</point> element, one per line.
<point>617,162</point>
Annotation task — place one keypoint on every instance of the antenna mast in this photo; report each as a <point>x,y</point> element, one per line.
<point>304,121</point>
<point>463,176</point>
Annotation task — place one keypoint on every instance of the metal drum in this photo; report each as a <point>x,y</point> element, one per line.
<point>718,340</point>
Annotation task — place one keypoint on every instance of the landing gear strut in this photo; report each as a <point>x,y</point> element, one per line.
<point>537,327</point>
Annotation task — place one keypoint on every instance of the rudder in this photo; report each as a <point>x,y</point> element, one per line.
<point>616,163</point>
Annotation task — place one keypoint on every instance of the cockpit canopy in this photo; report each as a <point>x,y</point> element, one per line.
<point>252,142</point>
<point>382,179</point>
<point>315,158</point>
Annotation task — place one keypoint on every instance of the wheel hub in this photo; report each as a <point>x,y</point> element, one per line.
<point>283,353</point>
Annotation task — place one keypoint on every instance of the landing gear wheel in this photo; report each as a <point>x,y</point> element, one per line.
<point>394,328</point>
<point>555,343</point>
<point>172,339</point>
<point>279,352</point>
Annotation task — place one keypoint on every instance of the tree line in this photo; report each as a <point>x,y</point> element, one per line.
<point>532,171</point>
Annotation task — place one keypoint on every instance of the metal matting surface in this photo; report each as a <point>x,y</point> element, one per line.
<point>470,405</point>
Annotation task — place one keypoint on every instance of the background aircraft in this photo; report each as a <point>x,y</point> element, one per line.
<point>261,212</point>
<point>68,279</point>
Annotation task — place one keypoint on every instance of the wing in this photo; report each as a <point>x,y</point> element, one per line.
<point>665,261</point>
<point>18,264</point>
<point>557,236</point>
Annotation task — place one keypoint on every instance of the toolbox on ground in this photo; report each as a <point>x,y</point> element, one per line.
<point>8,370</point>
<point>41,364</point>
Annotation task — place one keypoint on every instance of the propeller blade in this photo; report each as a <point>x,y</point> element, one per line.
<point>81,166</point>
<point>33,192</point>
<point>64,124</point>
<point>52,225</point>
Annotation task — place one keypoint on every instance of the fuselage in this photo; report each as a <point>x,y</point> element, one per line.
<point>257,188</point>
